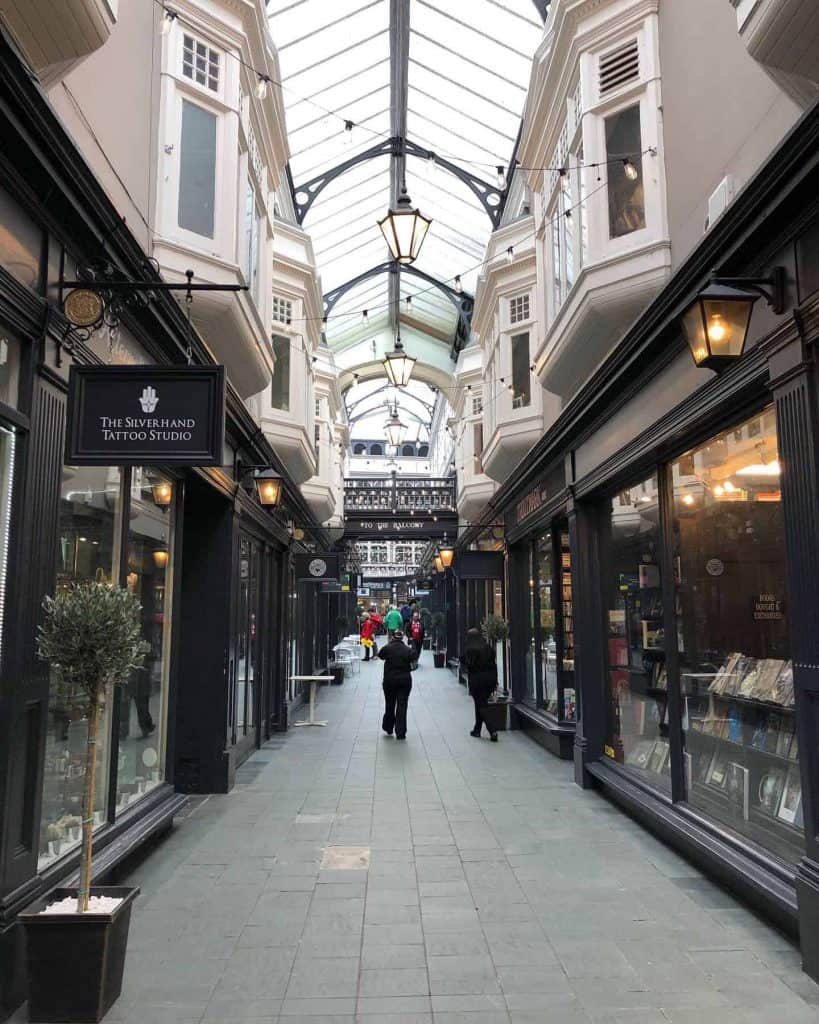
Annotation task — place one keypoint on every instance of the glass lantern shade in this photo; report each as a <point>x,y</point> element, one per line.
<point>398,366</point>
<point>404,230</point>
<point>161,558</point>
<point>446,553</point>
<point>716,325</point>
<point>268,488</point>
<point>162,492</point>
<point>439,565</point>
<point>395,429</point>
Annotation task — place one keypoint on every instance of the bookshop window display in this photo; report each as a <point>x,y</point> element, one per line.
<point>552,629</point>
<point>106,513</point>
<point>638,684</point>
<point>741,756</point>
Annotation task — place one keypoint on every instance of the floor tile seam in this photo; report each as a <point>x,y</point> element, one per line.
<point>367,879</point>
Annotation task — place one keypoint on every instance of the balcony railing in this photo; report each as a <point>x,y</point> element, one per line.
<point>368,495</point>
<point>387,569</point>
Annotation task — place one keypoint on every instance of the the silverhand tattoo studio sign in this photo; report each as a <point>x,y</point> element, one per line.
<point>138,415</point>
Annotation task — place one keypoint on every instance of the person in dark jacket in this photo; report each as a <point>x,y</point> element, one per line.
<point>397,658</point>
<point>482,673</point>
<point>415,635</point>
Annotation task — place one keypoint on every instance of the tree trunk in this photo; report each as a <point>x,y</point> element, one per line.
<point>88,801</point>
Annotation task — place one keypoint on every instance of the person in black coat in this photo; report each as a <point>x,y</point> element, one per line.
<point>397,658</point>
<point>482,673</point>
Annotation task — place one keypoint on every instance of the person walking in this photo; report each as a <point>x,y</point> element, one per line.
<point>397,658</point>
<point>393,620</point>
<point>407,608</point>
<point>482,673</point>
<point>368,628</point>
<point>416,637</point>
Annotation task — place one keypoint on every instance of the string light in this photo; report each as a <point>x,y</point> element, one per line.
<point>501,177</point>
<point>365,317</point>
<point>348,132</point>
<point>409,302</point>
<point>168,18</point>
<point>261,87</point>
<point>564,178</point>
<point>510,254</point>
<point>630,170</point>
<point>459,288</point>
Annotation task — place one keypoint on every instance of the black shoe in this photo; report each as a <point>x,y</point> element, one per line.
<point>494,737</point>
<point>388,732</point>
<point>400,737</point>
<point>476,733</point>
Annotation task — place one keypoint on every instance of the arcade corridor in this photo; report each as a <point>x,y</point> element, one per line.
<point>496,891</point>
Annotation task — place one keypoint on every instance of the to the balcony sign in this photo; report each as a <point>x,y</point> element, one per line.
<point>145,415</point>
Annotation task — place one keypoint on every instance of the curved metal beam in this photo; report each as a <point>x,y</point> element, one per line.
<point>491,197</point>
<point>462,301</point>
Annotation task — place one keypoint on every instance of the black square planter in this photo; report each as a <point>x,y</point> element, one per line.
<point>76,961</point>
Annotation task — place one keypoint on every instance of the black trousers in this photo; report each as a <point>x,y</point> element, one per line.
<point>396,699</point>
<point>416,649</point>
<point>480,699</point>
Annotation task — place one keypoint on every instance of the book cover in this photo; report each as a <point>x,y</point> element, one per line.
<point>770,790</point>
<point>718,770</point>
<point>790,802</point>
<point>640,754</point>
<point>659,756</point>
<point>738,788</point>
<point>759,739</point>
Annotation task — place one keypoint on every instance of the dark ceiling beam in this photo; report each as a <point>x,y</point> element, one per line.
<point>462,301</point>
<point>399,98</point>
<point>542,7</point>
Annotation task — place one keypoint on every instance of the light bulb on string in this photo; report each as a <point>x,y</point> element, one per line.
<point>630,170</point>
<point>168,18</point>
<point>348,133</point>
<point>459,288</point>
<point>510,254</point>
<point>261,87</point>
<point>409,302</point>
<point>431,165</point>
<point>501,177</point>
<point>563,174</point>
<point>365,317</point>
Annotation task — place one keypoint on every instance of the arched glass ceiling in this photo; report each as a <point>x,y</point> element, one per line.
<point>467,74</point>
<point>369,403</point>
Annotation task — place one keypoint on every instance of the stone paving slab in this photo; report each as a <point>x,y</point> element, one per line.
<point>353,879</point>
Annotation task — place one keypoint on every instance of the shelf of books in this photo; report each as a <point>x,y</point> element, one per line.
<point>569,696</point>
<point>742,753</point>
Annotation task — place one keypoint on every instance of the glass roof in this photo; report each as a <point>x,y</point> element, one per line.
<point>369,404</point>
<point>335,65</point>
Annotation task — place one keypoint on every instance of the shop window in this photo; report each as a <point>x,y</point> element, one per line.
<point>143,695</point>
<point>9,370</point>
<point>89,549</point>
<point>21,242</point>
<point>637,677</point>
<point>548,632</point>
<point>521,378</point>
<point>626,200</point>
<point>531,692</point>
<point>7,452</point>
<point>200,63</point>
<point>741,754</point>
<point>197,170</point>
<point>280,390</point>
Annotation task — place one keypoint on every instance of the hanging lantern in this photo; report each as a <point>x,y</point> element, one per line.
<point>161,558</point>
<point>404,229</point>
<point>716,325</point>
<point>162,492</point>
<point>446,553</point>
<point>394,428</point>
<point>398,365</point>
<point>439,565</point>
<point>268,488</point>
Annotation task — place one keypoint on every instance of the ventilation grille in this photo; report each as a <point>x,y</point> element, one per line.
<point>619,67</point>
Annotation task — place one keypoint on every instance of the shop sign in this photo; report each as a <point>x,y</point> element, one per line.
<point>145,415</point>
<point>531,502</point>
<point>396,526</point>
<point>715,567</point>
<point>767,608</point>
<point>317,568</point>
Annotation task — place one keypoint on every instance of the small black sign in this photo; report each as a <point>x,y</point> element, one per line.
<point>316,568</point>
<point>145,415</point>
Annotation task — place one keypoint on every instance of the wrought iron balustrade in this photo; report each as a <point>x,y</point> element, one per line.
<point>400,496</point>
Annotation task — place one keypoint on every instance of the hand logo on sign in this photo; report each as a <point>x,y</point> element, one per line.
<point>148,399</point>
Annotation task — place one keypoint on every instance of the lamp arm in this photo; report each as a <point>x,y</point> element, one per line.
<point>772,288</point>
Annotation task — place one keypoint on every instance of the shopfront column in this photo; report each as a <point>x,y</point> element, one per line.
<point>794,385</point>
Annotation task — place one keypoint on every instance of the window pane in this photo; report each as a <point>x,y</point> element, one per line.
<point>638,684</point>
<point>89,532</point>
<point>20,242</point>
<point>626,201</point>
<point>531,648</point>
<point>7,453</point>
<point>197,170</point>
<point>280,393</point>
<point>548,638</point>
<point>742,756</point>
<point>521,377</point>
<point>143,696</point>
<point>477,446</point>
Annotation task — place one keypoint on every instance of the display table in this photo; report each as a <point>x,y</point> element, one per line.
<point>313,681</point>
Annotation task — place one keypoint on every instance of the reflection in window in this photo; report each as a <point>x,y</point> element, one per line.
<point>21,242</point>
<point>89,531</point>
<point>548,637</point>
<point>7,450</point>
<point>197,170</point>
<point>280,390</point>
<point>736,680</point>
<point>637,678</point>
<point>521,376</point>
<point>143,696</point>
<point>626,200</point>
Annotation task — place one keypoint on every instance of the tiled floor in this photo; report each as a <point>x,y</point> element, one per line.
<point>496,891</point>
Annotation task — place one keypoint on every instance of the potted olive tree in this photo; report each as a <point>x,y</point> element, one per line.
<point>495,631</point>
<point>92,638</point>
<point>439,636</point>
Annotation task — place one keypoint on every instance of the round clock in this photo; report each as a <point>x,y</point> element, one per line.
<point>318,567</point>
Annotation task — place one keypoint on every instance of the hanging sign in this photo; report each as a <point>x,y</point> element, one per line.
<point>396,527</point>
<point>316,568</point>
<point>145,415</point>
